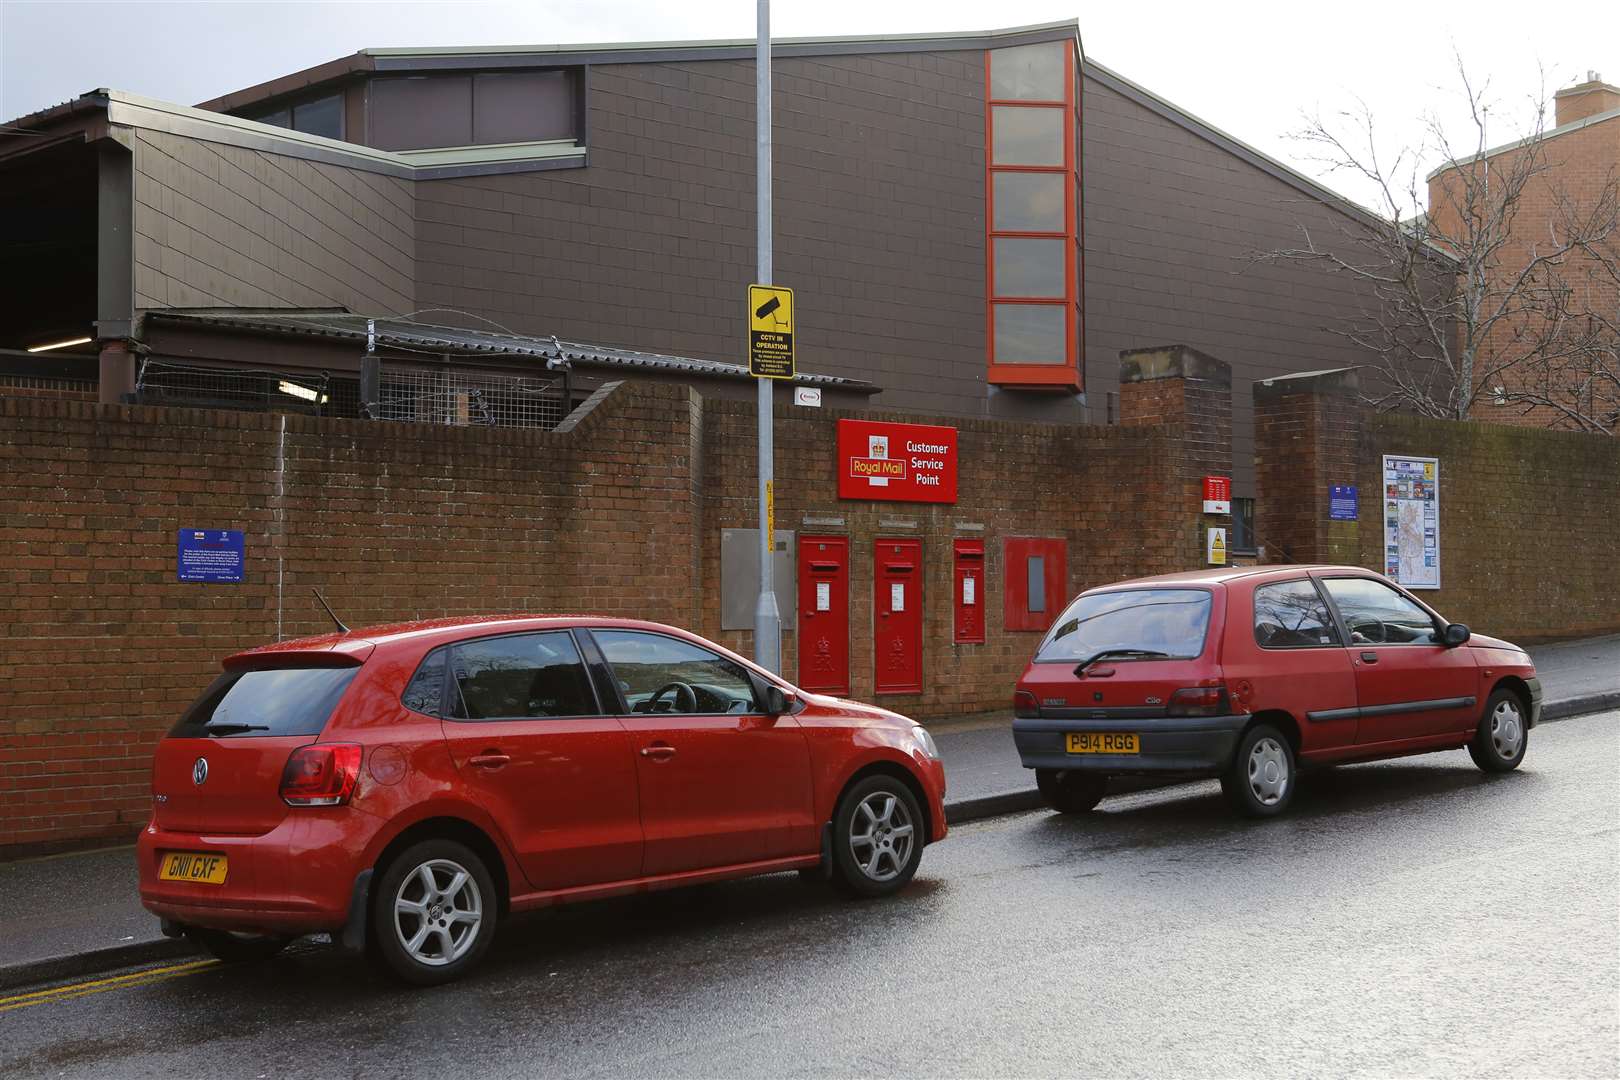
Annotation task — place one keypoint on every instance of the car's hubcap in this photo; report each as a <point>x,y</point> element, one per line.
<point>1268,771</point>
<point>880,836</point>
<point>438,911</point>
<point>1507,730</point>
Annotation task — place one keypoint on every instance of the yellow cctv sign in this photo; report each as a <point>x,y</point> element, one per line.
<point>770,332</point>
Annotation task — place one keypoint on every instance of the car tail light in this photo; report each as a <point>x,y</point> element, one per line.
<point>1024,704</point>
<point>321,774</point>
<point>1199,701</point>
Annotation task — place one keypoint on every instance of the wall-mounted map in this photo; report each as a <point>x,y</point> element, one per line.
<point>1412,520</point>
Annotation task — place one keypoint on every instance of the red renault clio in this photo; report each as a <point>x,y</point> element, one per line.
<point>405,787</point>
<point>1249,672</point>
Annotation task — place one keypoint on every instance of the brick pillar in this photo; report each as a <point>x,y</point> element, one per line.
<point>1178,386</point>
<point>1307,432</point>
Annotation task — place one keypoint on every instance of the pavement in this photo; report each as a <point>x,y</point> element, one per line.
<point>76,914</point>
<point>1414,917</point>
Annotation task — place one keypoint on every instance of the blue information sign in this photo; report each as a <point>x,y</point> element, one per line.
<point>210,555</point>
<point>1342,503</point>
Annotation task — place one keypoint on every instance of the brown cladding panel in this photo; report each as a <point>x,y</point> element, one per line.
<point>223,226</point>
<point>879,200</point>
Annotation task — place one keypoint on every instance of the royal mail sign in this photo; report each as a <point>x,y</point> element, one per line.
<point>896,462</point>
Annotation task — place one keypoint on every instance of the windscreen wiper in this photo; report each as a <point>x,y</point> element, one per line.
<point>1136,654</point>
<point>224,728</point>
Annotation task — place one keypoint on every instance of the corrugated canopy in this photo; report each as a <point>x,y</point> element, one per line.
<point>408,334</point>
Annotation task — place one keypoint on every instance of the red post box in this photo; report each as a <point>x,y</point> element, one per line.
<point>824,614</point>
<point>969,592</point>
<point>897,616</point>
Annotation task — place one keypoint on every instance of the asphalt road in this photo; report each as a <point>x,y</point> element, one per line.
<point>1413,917</point>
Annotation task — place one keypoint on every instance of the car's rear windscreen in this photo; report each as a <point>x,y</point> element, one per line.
<point>1169,621</point>
<point>280,701</point>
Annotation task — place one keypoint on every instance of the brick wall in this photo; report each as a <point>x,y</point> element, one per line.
<point>1528,547</point>
<point>100,646</point>
<point>618,511</point>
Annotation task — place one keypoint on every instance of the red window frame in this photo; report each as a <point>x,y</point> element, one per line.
<point>1068,375</point>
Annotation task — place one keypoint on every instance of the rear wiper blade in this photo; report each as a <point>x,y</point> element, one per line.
<point>1080,668</point>
<point>233,729</point>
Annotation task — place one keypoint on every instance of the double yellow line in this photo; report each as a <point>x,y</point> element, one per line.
<point>101,986</point>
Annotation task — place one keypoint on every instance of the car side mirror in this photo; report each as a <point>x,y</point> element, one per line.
<point>777,700</point>
<point>1455,634</point>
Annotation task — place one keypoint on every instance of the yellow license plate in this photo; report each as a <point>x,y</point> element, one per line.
<point>1104,742</point>
<point>192,866</point>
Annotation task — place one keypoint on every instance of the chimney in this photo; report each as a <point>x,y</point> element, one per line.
<point>1585,99</point>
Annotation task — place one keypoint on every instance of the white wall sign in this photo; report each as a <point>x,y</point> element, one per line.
<point>808,396</point>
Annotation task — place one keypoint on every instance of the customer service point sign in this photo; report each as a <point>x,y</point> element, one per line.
<point>896,462</point>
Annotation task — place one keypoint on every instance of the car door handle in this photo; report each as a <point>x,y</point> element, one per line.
<point>489,759</point>
<point>1369,658</point>
<point>658,752</point>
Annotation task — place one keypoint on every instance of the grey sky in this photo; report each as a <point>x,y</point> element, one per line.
<point>1249,68</point>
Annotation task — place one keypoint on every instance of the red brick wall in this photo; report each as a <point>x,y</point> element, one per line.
<point>618,511</point>
<point>1110,492</point>
<point>100,646</point>
<point>1528,546</point>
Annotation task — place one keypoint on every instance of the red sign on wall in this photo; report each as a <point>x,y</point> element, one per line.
<point>1217,494</point>
<point>896,462</point>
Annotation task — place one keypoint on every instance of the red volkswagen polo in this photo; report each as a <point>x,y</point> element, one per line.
<point>405,787</point>
<point>1249,672</point>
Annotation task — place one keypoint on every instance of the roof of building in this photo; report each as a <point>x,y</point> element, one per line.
<point>1519,144</point>
<point>209,121</point>
<point>406,334</point>
<point>440,58</point>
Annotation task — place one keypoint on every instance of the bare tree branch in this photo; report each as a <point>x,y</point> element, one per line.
<point>1475,299</point>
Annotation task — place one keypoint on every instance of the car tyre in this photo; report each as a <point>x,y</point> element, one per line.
<point>433,913</point>
<point>878,836</point>
<point>1261,779</point>
<point>1069,791</point>
<point>1502,736</point>
<point>234,948</point>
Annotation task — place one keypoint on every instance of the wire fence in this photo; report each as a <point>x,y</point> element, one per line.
<point>460,397</point>
<point>408,393</point>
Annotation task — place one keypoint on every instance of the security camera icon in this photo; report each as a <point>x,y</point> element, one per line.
<point>769,308</point>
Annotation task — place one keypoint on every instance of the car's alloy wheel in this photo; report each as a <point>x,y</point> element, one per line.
<point>1502,737</point>
<point>878,834</point>
<point>433,912</point>
<point>438,912</point>
<point>1260,780</point>
<point>881,835</point>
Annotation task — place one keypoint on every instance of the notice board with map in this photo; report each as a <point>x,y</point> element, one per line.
<point>1412,520</point>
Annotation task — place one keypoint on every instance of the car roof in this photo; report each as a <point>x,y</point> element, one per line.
<point>363,639</point>
<point>1225,574</point>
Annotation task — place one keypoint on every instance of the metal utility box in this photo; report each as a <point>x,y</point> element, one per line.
<point>824,614</point>
<point>739,577</point>
<point>897,623</point>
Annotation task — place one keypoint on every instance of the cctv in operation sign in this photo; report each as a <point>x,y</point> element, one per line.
<point>770,332</point>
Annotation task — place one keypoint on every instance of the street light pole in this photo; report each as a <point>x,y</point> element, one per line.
<point>767,617</point>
